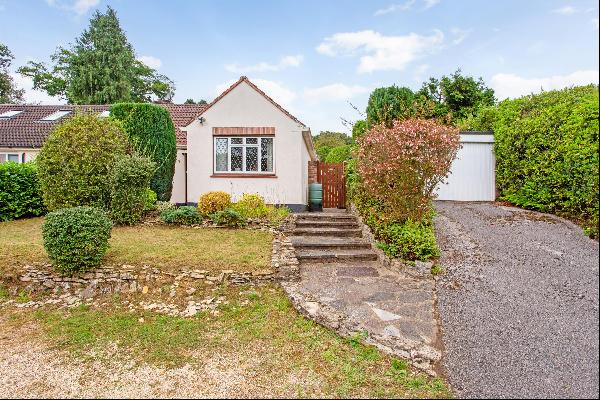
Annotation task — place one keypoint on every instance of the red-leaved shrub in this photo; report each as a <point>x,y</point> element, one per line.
<point>399,167</point>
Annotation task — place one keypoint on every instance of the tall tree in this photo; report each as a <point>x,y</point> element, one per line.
<point>456,96</point>
<point>8,92</point>
<point>101,68</point>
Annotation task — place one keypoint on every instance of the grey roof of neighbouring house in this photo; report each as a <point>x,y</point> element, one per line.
<point>27,129</point>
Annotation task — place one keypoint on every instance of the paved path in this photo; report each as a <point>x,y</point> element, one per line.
<point>344,287</point>
<point>518,304</point>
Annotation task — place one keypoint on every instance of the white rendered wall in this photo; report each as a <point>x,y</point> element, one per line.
<point>244,107</point>
<point>178,193</point>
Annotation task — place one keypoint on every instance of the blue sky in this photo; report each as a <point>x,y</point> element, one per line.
<point>315,57</point>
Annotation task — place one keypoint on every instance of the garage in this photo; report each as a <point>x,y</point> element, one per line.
<point>473,172</point>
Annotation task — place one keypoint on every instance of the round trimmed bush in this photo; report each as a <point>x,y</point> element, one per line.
<point>228,217</point>
<point>74,165</point>
<point>76,238</point>
<point>130,178</point>
<point>212,202</point>
<point>184,215</point>
<point>251,205</point>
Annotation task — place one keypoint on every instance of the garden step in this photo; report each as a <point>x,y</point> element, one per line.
<point>313,242</point>
<point>316,216</point>
<point>336,255</point>
<point>327,232</point>
<point>324,224</point>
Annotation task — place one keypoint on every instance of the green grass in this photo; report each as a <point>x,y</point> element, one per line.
<point>4,295</point>
<point>159,246</point>
<point>267,337</point>
<point>437,270</point>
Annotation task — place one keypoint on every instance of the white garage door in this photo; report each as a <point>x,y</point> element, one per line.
<point>473,172</point>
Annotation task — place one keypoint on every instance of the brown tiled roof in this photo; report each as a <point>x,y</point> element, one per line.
<point>253,86</point>
<point>27,130</point>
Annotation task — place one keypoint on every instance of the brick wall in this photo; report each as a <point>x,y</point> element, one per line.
<point>312,172</point>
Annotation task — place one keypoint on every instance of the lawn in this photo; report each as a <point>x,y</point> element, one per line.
<point>257,343</point>
<point>160,246</point>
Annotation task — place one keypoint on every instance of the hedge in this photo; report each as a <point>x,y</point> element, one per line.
<point>75,163</point>
<point>152,134</point>
<point>20,194</point>
<point>339,154</point>
<point>546,148</point>
<point>130,178</point>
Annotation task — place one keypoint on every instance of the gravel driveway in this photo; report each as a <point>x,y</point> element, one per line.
<point>518,303</point>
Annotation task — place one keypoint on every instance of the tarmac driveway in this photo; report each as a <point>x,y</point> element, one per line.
<point>518,303</point>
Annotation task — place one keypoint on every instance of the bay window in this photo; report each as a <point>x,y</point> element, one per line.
<point>252,155</point>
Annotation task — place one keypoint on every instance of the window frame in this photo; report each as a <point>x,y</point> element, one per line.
<point>244,146</point>
<point>11,153</point>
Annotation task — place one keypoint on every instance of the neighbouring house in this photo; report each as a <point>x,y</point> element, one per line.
<point>242,142</point>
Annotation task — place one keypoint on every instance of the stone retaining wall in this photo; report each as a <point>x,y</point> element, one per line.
<point>128,278</point>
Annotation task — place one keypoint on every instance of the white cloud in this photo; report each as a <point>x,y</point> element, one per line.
<point>381,52</point>
<point>333,92</point>
<point>511,85</point>
<point>79,7</point>
<point>420,72</point>
<point>566,10</point>
<point>395,7</point>
<point>152,62</point>
<point>595,23</point>
<point>83,6</point>
<point>459,35</point>
<point>431,3</point>
<point>284,62</point>
<point>404,7</point>
<point>33,96</point>
<point>274,90</point>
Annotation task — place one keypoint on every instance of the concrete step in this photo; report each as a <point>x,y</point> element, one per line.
<point>336,255</point>
<point>315,242</point>
<point>316,216</point>
<point>327,224</point>
<point>327,232</point>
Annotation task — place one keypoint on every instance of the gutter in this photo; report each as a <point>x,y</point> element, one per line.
<point>308,142</point>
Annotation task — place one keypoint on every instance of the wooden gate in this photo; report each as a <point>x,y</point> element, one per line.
<point>332,177</point>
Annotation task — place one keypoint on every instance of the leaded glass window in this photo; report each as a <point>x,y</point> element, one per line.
<point>266,154</point>
<point>221,154</point>
<point>244,154</point>
<point>237,159</point>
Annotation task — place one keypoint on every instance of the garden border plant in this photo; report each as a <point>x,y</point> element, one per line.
<point>393,180</point>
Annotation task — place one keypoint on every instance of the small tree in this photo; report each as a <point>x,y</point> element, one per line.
<point>152,134</point>
<point>400,167</point>
<point>75,163</point>
<point>388,104</point>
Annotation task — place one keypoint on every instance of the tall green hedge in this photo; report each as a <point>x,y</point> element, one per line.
<point>152,134</point>
<point>547,152</point>
<point>20,193</point>
<point>75,163</point>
